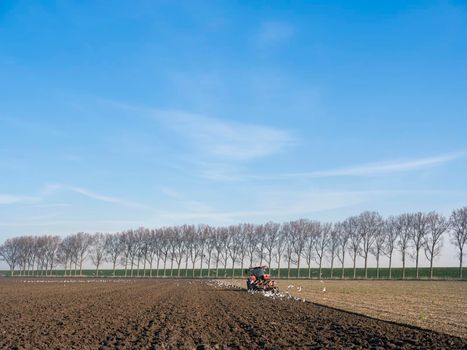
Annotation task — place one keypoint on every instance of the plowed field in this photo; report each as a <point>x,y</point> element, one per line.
<point>171,314</point>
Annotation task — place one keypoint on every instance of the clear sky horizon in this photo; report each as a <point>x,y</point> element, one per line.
<point>117,115</point>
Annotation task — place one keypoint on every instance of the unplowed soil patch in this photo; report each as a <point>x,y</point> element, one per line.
<point>171,314</point>
<point>437,305</point>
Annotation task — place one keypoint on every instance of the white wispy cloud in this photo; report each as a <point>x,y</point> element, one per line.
<point>49,189</point>
<point>373,169</point>
<point>215,138</point>
<point>13,199</point>
<point>225,139</point>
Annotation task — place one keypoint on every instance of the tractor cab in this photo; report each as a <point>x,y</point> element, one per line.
<point>259,280</point>
<point>259,272</point>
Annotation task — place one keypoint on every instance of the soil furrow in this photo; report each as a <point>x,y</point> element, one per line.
<point>184,314</point>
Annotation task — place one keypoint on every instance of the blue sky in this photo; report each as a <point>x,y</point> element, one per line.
<point>115,115</point>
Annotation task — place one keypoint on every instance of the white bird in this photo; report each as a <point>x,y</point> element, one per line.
<point>299,289</point>
<point>324,289</point>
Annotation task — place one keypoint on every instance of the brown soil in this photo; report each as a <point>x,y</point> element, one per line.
<point>437,305</point>
<point>170,314</point>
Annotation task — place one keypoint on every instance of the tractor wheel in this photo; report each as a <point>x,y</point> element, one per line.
<point>248,285</point>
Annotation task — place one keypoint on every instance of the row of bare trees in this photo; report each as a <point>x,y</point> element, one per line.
<point>299,244</point>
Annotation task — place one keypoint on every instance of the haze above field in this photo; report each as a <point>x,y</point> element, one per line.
<point>117,115</point>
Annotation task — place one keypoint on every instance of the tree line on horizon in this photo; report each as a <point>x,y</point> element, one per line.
<point>299,243</point>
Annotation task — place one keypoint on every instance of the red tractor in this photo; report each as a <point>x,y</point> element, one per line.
<point>260,280</point>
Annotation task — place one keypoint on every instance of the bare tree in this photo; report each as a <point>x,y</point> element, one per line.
<point>298,235</point>
<point>235,233</point>
<point>260,233</point>
<point>113,249</point>
<point>41,248</point>
<point>369,224</point>
<point>437,225</point>
<point>210,246</point>
<point>279,248</point>
<point>312,234</point>
<point>222,239</point>
<point>195,245</point>
<point>142,241</point>
<point>9,252</point>
<point>52,246</point>
<point>127,242</point>
<point>153,243</point>
<point>322,243</point>
<point>251,241</point>
<point>203,234</point>
<point>343,237</point>
<point>333,245</point>
<point>377,248</point>
<point>271,235</point>
<point>404,227</point>
<point>289,247</point>
<point>65,252</point>
<point>97,250</point>
<point>458,221</point>
<point>419,231</point>
<point>351,227</point>
<point>392,232</point>
<point>164,245</point>
<point>241,241</point>
<point>178,246</point>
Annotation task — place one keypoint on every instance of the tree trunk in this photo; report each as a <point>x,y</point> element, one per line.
<point>431,267</point>
<point>209,265</point>
<point>137,266</point>
<point>460,265</point>
<point>298,266</point>
<point>366,265</point>
<point>403,266</point>
<point>113,268</point>
<point>354,266</point>
<point>279,268</point>
<point>377,266</point>
<point>201,264</point>
<point>332,267</point>
<point>390,266</point>
<point>416,264</point>
<point>343,268</point>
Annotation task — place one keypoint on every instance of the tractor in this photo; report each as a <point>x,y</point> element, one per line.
<point>259,280</point>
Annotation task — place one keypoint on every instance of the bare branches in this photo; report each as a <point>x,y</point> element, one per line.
<point>458,222</point>
<point>235,246</point>
<point>437,225</point>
